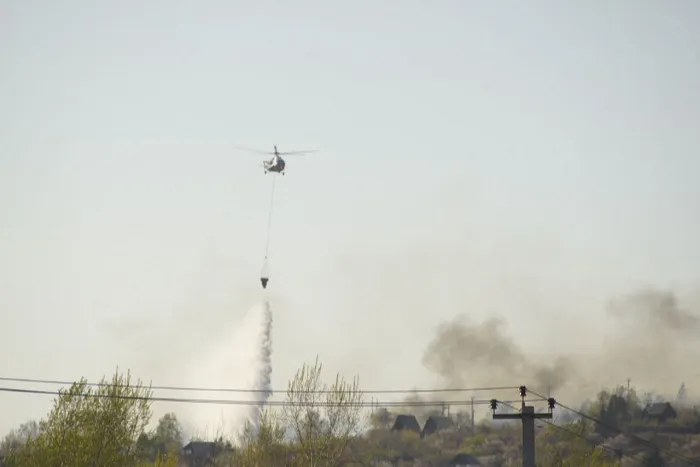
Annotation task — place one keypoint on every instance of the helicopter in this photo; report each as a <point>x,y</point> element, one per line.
<point>276,163</point>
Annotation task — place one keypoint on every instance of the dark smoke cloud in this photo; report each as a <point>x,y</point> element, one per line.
<point>649,337</point>
<point>466,354</point>
<point>655,311</point>
<point>653,339</point>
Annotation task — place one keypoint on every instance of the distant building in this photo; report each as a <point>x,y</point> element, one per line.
<point>464,460</point>
<point>381,461</point>
<point>199,453</point>
<point>406,422</point>
<point>660,411</point>
<point>436,423</point>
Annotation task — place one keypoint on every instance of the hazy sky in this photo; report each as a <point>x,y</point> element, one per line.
<point>487,158</point>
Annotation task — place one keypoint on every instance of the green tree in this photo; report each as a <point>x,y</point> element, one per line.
<point>263,445</point>
<point>15,439</point>
<point>571,445</point>
<point>90,426</point>
<point>323,418</point>
<point>615,410</point>
<point>169,431</point>
<point>161,460</point>
<point>164,440</point>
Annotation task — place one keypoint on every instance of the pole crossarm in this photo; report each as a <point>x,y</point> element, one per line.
<point>527,416</point>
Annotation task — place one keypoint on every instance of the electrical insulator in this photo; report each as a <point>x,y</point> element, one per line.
<point>494,404</point>
<point>551,402</point>
<point>523,391</point>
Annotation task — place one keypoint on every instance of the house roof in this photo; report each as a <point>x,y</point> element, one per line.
<point>659,408</point>
<point>406,422</point>
<point>438,422</point>
<point>200,449</point>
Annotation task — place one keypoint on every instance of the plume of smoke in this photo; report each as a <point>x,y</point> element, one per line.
<point>650,338</point>
<point>655,310</point>
<point>653,340</point>
<point>464,353</point>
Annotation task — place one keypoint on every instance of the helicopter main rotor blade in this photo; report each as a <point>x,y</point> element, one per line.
<point>254,150</point>
<point>296,153</point>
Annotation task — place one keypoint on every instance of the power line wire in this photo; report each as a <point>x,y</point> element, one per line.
<point>253,391</point>
<point>580,435</point>
<point>254,402</point>
<point>594,443</point>
<point>630,435</point>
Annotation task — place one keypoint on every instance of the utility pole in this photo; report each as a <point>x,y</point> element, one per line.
<point>628,389</point>
<point>473,427</point>
<point>527,416</point>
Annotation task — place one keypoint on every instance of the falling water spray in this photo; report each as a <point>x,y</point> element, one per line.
<point>242,359</point>
<point>263,363</point>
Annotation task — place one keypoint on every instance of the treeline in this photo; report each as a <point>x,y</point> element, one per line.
<point>324,424</point>
<point>106,426</point>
